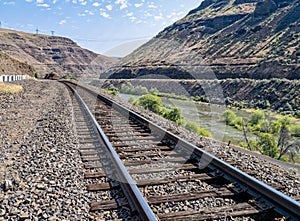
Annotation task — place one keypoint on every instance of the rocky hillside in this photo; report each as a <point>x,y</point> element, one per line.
<point>52,54</point>
<point>224,39</point>
<point>10,66</point>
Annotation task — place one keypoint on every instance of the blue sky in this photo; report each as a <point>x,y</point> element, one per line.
<point>99,25</point>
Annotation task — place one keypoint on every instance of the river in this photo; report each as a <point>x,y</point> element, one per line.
<point>208,116</point>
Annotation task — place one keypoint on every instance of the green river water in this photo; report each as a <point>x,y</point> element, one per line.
<point>208,116</point>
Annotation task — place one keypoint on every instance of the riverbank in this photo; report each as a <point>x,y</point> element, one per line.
<point>279,95</point>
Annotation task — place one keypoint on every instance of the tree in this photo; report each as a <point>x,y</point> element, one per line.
<point>285,144</point>
<point>274,138</point>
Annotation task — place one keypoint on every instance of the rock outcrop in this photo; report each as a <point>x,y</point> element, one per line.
<point>10,66</point>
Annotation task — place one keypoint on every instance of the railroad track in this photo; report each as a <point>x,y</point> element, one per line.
<point>160,176</point>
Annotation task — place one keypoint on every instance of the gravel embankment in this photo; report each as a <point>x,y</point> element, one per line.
<point>40,168</point>
<point>268,171</point>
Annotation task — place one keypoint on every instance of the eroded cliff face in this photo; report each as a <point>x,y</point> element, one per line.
<point>223,39</point>
<point>10,66</point>
<point>52,54</point>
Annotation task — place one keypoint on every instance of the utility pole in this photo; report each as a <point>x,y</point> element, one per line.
<point>52,32</point>
<point>37,31</point>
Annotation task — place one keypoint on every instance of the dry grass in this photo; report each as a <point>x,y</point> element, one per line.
<point>10,88</point>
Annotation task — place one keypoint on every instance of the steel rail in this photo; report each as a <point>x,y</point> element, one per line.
<point>283,204</point>
<point>132,190</point>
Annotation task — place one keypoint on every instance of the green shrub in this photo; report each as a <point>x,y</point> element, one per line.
<point>275,127</point>
<point>73,78</point>
<point>175,114</point>
<point>297,114</point>
<point>256,117</point>
<point>268,145</point>
<point>133,100</point>
<point>193,127</point>
<point>128,88</point>
<point>285,121</point>
<point>230,117</point>
<point>201,99</point>
<point>36,75</point>
<point>151,102</point>
<point>114,92</point>
<point>140,90</point>
<point>204,132</point>
<point>238,123</point>
<point>154,91</point>
<point>295,130</point>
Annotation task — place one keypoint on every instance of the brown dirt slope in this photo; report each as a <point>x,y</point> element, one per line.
<point>225,39</point>
<point>53,54</point>
<point>11,66</point>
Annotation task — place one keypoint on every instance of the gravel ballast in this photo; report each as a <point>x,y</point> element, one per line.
<point>41,176</point>
<point>41,172</point>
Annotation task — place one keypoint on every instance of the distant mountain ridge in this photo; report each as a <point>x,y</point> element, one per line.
<point>225,39</point>
<point>53,54</point>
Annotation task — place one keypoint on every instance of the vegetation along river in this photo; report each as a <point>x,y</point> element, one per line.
<point>208,116</point>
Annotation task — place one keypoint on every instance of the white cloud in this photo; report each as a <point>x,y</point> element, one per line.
<point>109,7</point>
<point>54,1</point>
<point>129,14</point>
<point>104,14</point>
<point>62,22</point>
<point>123,3</point>
<point>137,5</point>
<point>96,4</point>
<point>151,5</point>
<point>43,5</point>
<point>39,1</point>
<point>132,18</point>
<point>158,17</point>
<point>74,1</point>
<point>28,0</point>
<point>88,12</point>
